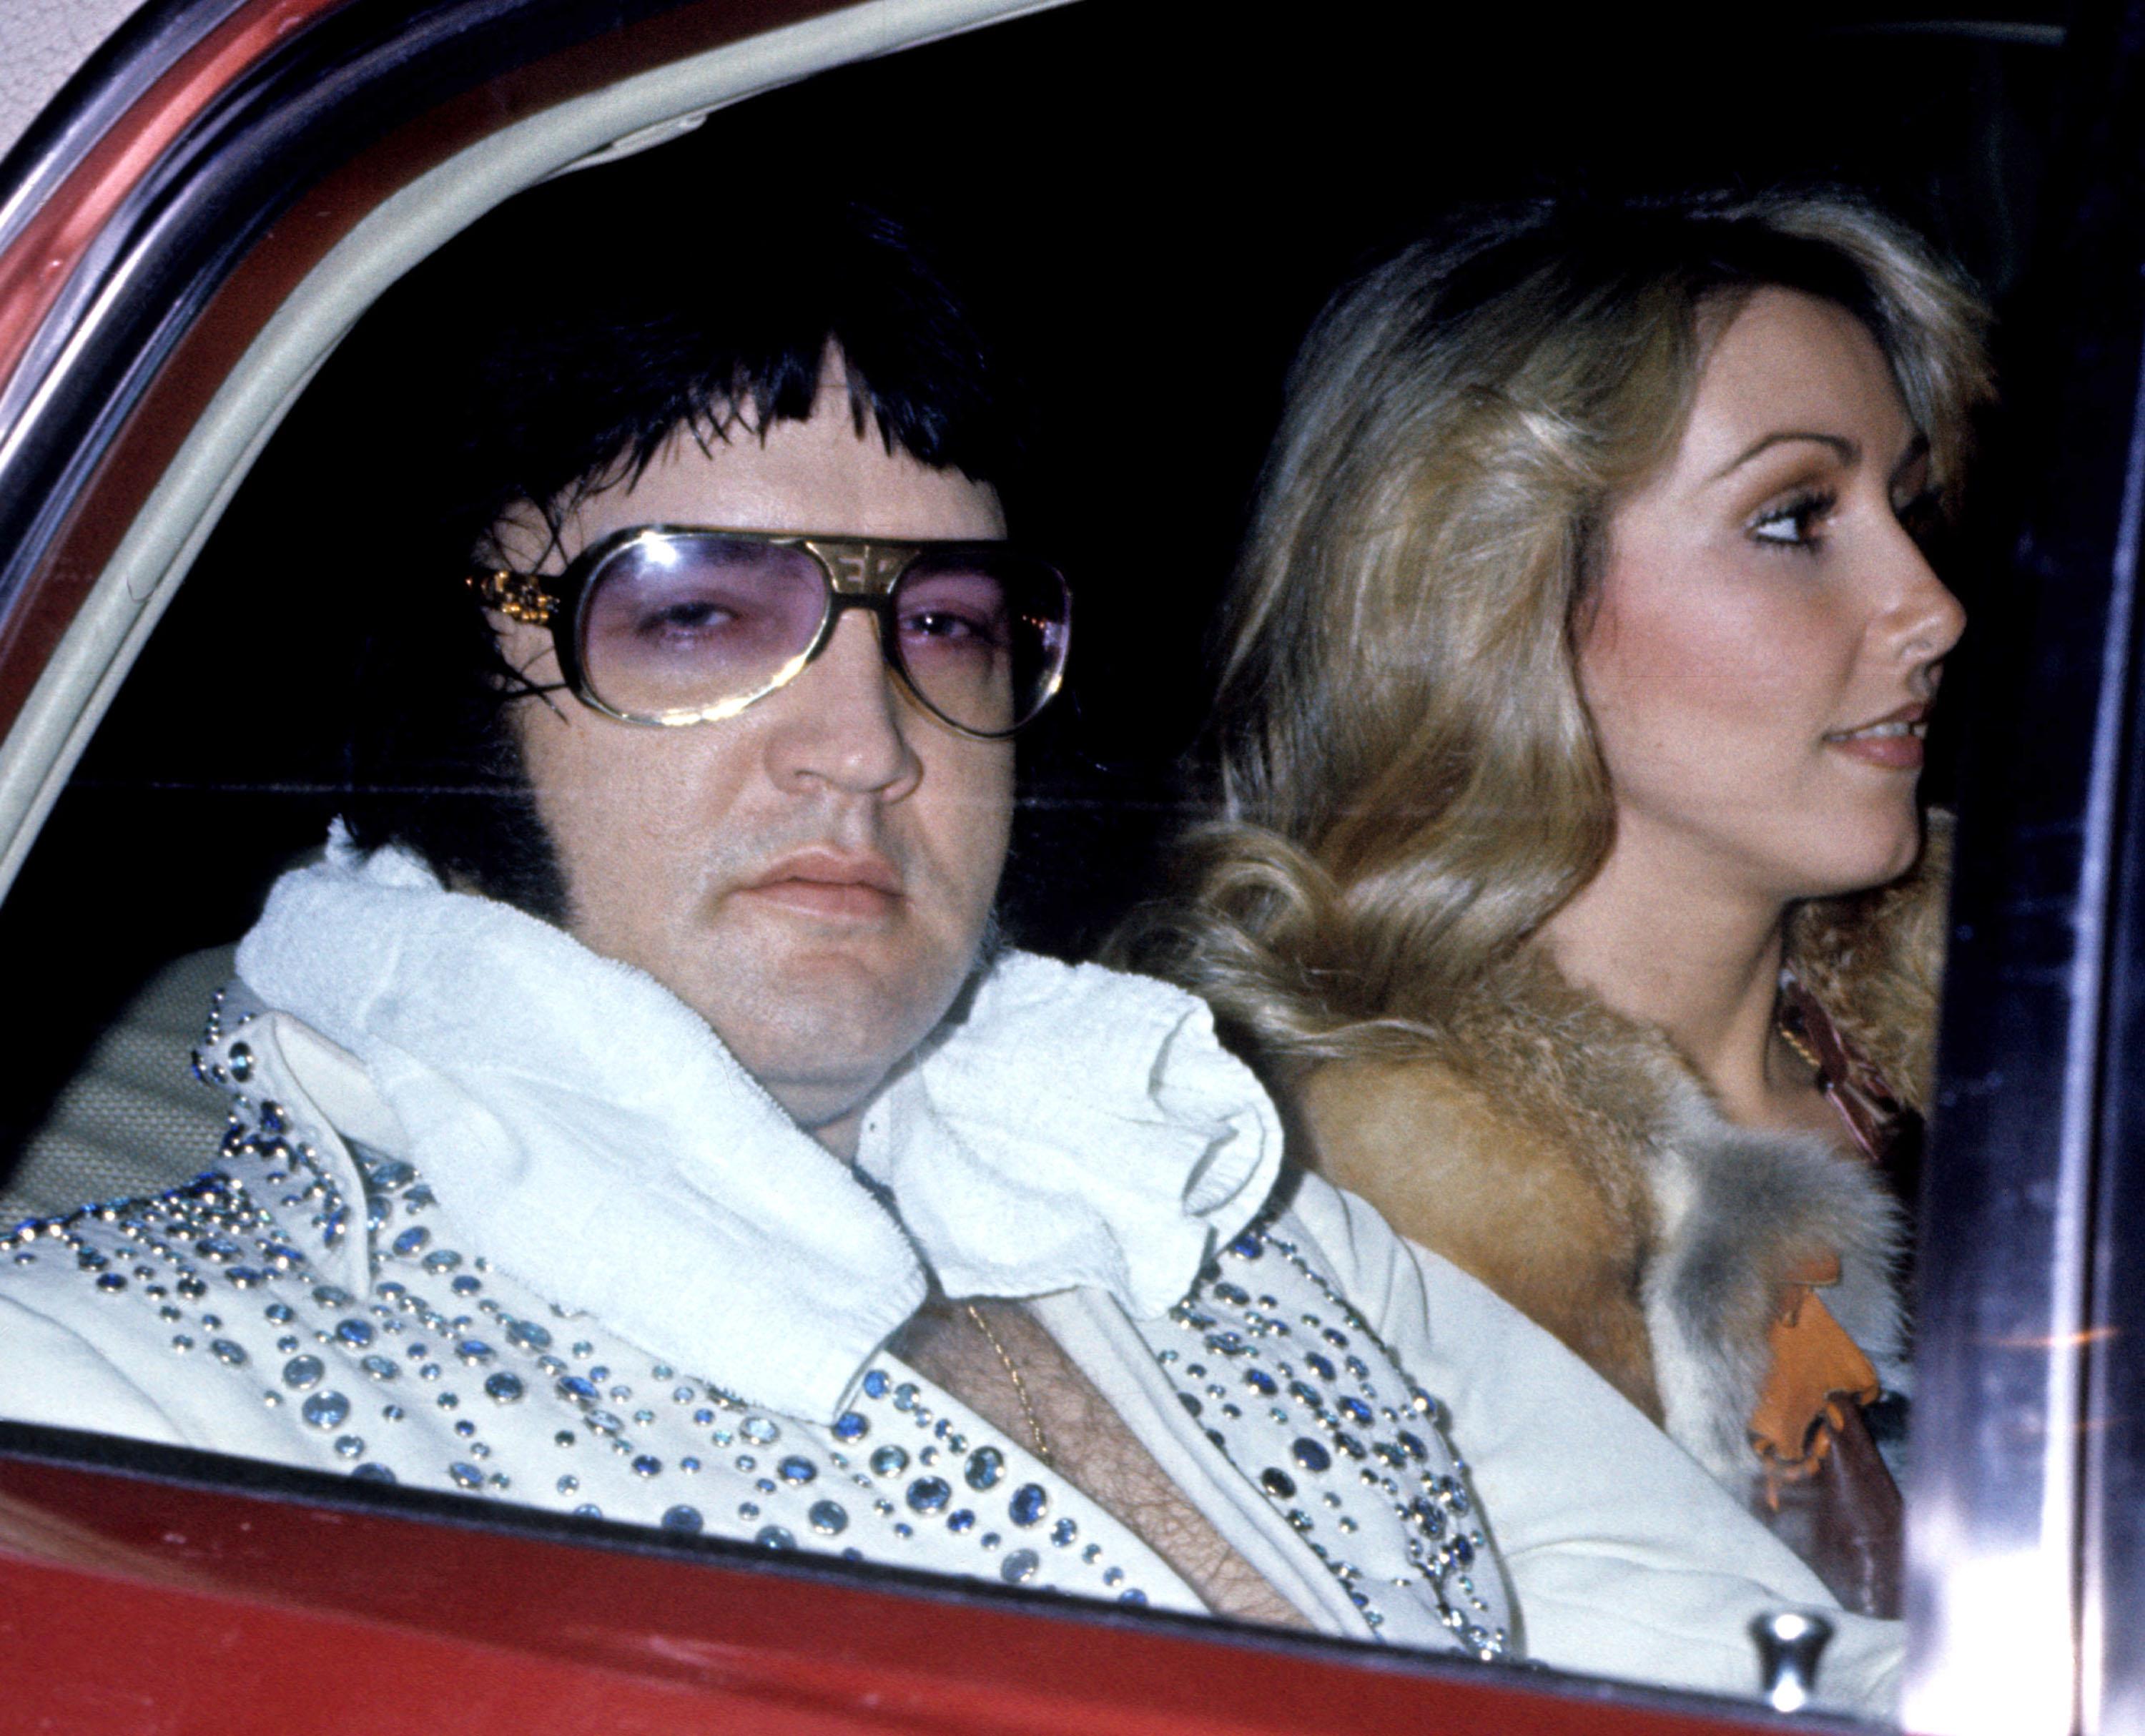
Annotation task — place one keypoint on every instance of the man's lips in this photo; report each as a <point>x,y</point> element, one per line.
<point>1893,741</point>
<point>828,883</point>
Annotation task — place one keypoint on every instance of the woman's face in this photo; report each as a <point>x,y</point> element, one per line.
<point>1767,637</point>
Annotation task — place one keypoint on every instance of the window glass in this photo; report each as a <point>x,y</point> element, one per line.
<point>1147,218</point>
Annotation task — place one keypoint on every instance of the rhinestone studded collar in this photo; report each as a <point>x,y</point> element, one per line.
<point>1079,1127</point>
<point>315,1301</point>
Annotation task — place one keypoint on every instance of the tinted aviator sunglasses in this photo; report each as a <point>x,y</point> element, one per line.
<point>672,624</point>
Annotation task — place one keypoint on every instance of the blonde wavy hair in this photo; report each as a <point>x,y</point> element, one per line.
<point>1409,781</point>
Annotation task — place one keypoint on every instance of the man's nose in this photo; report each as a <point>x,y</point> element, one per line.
<point>841,722</point>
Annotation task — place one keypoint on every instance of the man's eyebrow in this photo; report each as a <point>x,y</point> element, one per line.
<point>1847,451</point>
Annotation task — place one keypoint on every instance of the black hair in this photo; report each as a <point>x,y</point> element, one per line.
<point>549,353</point>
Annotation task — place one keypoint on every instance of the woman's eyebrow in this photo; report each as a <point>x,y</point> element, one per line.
<point>1848,452</point>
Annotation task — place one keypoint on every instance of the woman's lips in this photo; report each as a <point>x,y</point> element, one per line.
<point>824,884</point>
<point>1893,742</point>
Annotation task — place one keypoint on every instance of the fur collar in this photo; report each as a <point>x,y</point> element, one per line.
<point>1572,1160</point>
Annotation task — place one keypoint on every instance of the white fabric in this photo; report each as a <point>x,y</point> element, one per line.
<point>1627,1560</point>
<point>608,1148</point>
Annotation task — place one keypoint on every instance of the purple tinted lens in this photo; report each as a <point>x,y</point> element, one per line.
<point>686,625</point>
<point>981,634</point>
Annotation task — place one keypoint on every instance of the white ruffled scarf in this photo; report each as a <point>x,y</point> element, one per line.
<point>591,1135</point>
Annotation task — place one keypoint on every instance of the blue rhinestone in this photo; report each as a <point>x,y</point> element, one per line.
<point>1309,1454</point>
<point>303,1371</point>
<point>474,1350</point>
<point>526,1335</point>
<point>828,1517</point>
<point>1463,1550</point>
<point>230,1354</point>
<point>1029,1503</point>
<point>1322,1366</point>
<point>1310,1395</point>
<point>349,1447</point>
<point>773,1537</point>
<point>504,1387</point>
<point>796,1469</point>
<point>985,1466</point>
<point>244,1277</point>
<point>441,1260</point>
<point>1190,1402</point>
<point>1413,1443</point>
<point>890,1461</point>
<point>573,1386</point>
<point>391,1172</point>
<point>325,1409</point>
<point>850,1426</point>
<point>646,1465</point>
<point>904,1395</point>
<point>1019,1567</point>
<point>875,1384</point>
<point>682,1518</point>
<point>1355,1411</point>
<point>465,1285</point>
<point>372,1473</point>
<point>927,1495</point>
<point>272,1119</point>
<point>111,1283</point>
<point>1339,1340</point>
<point>412,1239</point>
<point>1064,1533</point>
<point>1134,1597</point>
<point>356,1333</point>
<point>466,1476</point>
<point>380,1368</point>
<point>963,1521</point>
<point>1260,1381</point>
<point>1278,1482</point>
<point>760,1431</point>
<point>1249,1246</point>
<point>332,1296</point>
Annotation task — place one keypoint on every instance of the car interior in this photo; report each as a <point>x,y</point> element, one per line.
<point>1149,232</point>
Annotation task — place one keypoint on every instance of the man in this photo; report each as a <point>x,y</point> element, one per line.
<point>660,1134</point>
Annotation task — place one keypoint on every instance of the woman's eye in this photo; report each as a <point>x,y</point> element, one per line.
<point>1792,525</point>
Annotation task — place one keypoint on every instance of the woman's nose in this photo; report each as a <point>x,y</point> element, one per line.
<point>1924,619</point>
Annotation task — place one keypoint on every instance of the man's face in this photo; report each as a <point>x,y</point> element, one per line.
<point>813,875</point>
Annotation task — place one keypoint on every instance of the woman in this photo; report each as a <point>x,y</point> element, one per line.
<point>1572,880</point>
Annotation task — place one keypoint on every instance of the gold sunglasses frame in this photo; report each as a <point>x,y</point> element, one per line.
<point>861,572</point>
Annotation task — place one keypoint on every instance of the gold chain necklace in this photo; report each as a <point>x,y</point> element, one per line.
<point>1019,1385</point>
<point>1800,1044</point>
